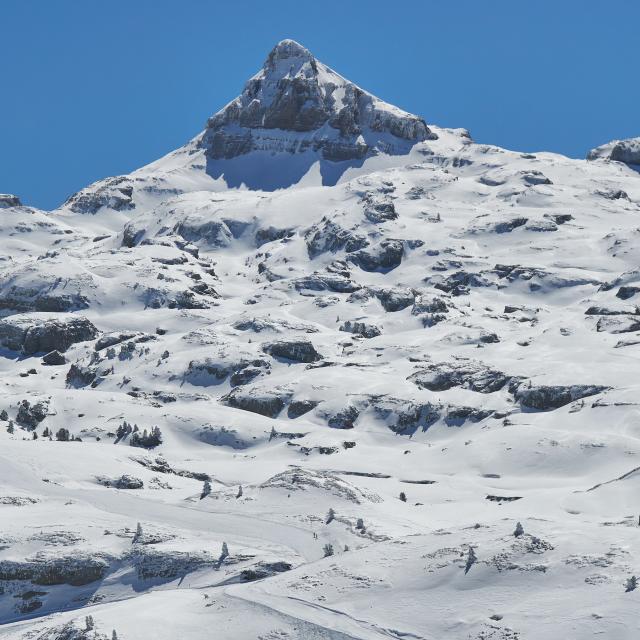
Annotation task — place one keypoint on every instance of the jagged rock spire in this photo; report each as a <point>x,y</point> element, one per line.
<point>297,104</point>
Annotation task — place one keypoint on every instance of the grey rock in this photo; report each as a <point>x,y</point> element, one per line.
<point>330,236</point>
<point>270,234</point>
<point>326,282</point>
<point>429,304</point>
<point>467,374</point>
<point>115,193</point>
<point>364,329</point>
<point>289,96</point>
<point>627,151</point>
<point>123,482</point>
<point>32,333</point>
<point>624,293</point>
<point>76,570</point>
<point>383,257</point>
<point>213,233</point>
<point>266,402</point>
<point>211,371</point>
<point>54,358</point>
<point>394,299</point>
<point>80,375</point>
<point>294,350</point>
<point>546,397</point>
<point>298,408</point>
<point>343,418</point>
<point>46,298</point>
<point>8,200</point>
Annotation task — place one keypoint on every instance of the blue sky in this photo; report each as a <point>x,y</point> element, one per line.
<point>93,88</point>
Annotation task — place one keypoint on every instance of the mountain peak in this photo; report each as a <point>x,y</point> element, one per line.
<point>287,49</point>
<point>297,105</point>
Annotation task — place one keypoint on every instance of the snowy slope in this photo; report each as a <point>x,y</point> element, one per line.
<point>365,374</point>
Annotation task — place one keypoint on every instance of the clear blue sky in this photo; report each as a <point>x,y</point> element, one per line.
<point>92,88</point>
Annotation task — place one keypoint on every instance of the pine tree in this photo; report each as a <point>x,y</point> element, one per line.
<point>138,534</point>
<point>206,489</point>
<point>114,635</point>
<point>360,524</point>
<point>403,496</point>
<point>4,416</point>
<point>519,530</point>
<point>239,492</point>
<point>88,621</point>
<point>225,552</point>
<point>10,428</point>
<point>471,560</point>
<point>632,584</point>
<point>63,435</point>
<point>328,550</point>
<point>330,516</point>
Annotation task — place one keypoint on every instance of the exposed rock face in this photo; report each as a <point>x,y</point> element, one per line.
<point>75,570</point>
<point>297,104</point>
<point>551,397</point>
<point>21,299</point>
<point>467,374</point>
<point>329,236</point>
<point>214,233</point>
<point>33,333</point>
<point>54,358</point>
<point>210,371</point>
<point>627,151</point>
<point>8,200</point>
<point>266,402</point>
<point>295,350</point>
<point>364,329</point>
<point>115,193</point>
<point>385,256</point>
<point>123,482</point>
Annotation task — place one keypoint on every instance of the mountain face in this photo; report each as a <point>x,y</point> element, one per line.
<point>626,151</point>
<point>388,396</point>
<point>295,103</point>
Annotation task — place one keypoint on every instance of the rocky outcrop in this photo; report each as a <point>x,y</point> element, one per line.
<point>211,371</point>
<point>326,282</point>
<point>364,329</point>
<point>54,358</point>
<point>266,402</point>
<point>8,200</point>
<point>383,257</point>
<point>123,482</point>
<point>295,104</point>
<point>467,374</point>
<point>76,570</point>
<point>46,298</point>
<point>330,236</point>
<point>114,193</point>
<point>35,333</point>
<point>213,233</point>
<point>627,151</point>
<point>546,397</point>
<point>293,350</point>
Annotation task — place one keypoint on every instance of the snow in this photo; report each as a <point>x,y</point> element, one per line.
<point>502,253</point>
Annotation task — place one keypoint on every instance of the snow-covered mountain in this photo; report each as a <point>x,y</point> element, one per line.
<point>324,372</point>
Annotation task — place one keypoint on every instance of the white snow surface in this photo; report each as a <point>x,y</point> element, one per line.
<point>463,337</point>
